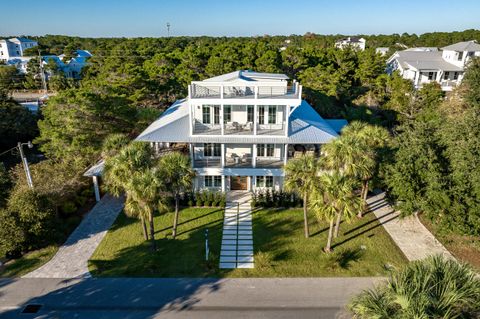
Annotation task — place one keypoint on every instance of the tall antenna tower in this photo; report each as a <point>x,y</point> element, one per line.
<point>168,29</point>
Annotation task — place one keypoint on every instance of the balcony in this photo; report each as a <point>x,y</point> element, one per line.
<point>207,162</point>
<point>267,162</point>
<point>200,90</point>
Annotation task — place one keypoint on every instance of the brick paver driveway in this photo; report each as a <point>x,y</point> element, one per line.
<point>71,260</point>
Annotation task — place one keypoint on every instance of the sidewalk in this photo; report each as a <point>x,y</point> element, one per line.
<point>71,260</point>
<point>409,234</point>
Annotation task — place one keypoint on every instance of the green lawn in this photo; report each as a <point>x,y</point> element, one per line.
<point>363,248</point>
<point>28,262</point>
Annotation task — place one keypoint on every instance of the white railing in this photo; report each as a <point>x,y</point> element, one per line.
<point>201,91</point>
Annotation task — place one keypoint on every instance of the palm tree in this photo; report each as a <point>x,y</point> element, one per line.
<point>177,174</point>
<point>143,198</point>
<point>119,170</point>
<point>113,143</point>
<point>432,288</point>
<point>371,138</point>
<point>334,198</point>
<point>300,177</point>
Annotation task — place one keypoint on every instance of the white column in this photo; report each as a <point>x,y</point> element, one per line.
<point>255,117</point>
<point>285,154</point>
<point>96,188</point>
<point>286,117</point>
<point>222,160</point>
<point>222,128</point>
<point>254,155</point>
<point>221,91</point>
<point>192,153</point>
<point>192,117</point>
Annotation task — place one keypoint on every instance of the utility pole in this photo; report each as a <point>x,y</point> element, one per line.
<point>25,162</point>
<point>42,73</point>
<point>168,29</point>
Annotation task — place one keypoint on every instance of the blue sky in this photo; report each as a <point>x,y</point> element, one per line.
<point>131,18</point>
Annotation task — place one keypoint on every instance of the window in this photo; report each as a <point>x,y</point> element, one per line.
<point>213,181</point>
<point>432,75</point>
<point>268,181</point>
<point>265,150</point>
<point>206,114</point>
<point>261,115</point>
<point>264,181</point>
<point>446,75</point>
<point>212,149</point>
<point>272,114</point>
<point>216,114</point>
<point>455,75</point>
<point>250,113</point>
<point>460,56</point>
<point>227,113</point>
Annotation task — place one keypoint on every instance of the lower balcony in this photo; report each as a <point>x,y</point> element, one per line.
<point>207,162</point>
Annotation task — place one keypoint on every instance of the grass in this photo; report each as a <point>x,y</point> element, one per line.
<point>28,262</point>
<point>362,249</point>
<point>463,247</point>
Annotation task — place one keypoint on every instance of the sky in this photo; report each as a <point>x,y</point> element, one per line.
<point>148,18</point>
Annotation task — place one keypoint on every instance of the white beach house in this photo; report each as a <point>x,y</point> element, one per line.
<point>240,129</point>
<point>424,65</point>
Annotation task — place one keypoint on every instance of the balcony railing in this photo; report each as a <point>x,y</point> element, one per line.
<point>269,162</point>
<point>210,91</point>
<point>207,162</point>
<point>271,129</point>
<point>234,160</point>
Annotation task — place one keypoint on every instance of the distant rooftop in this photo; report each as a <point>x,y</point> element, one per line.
<point>247,75</point>
<point>463,46</point>
<point>424,60</point>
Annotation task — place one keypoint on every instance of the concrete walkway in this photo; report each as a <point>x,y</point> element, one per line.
<point>71,260</point>
<point>411,236</point>
<point>237,238</point>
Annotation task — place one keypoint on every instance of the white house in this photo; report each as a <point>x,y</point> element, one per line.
<point>353,42</point>
<point>382,50</point>
<point>240,129</point>
<point>14,47</point>
<point>425,65</point>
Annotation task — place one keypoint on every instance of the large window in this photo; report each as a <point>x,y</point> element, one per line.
<point>460,56</point>
<point>216,114</point>
<point>264,181</point>
<point>250,113</point>
<point>206,114</point>
<point>261,115</point>
<point>455,76</point>
<point>265,150</point>
<point>227,113</point>
<point>446,75</point>
<point>212,149</point>
<point>432,75</point>
<point>213,181</point>
<point>272,114</point>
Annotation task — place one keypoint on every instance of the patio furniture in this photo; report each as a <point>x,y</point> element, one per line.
<point>248,126</point>
<point>230,126</point>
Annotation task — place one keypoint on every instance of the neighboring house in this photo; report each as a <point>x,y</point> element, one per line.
<point>71,68</point>
<point>382,51</point>
<point>15,47</point>
<point>353,42</point>
<point>241,128</point>
<point>425,65</point>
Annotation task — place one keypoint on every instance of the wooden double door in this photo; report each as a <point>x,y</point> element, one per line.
<point>238,183</point>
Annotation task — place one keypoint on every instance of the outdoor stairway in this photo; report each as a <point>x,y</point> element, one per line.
<point>237,240</point>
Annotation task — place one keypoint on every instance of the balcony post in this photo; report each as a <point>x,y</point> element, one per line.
<point>221,91</point>
<point>223,183</point>
<point>254,155</point>
<point>189,91</point>
<point>285,154</point>
<point>222,160</point>
<point>192,154</point>
<point>222,123</point>
<point>255,118</point>
<point>192,117</point>
<point>255,92</point>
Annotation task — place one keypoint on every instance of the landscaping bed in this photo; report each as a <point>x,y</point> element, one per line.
<point>362,249</point>
<point>464,248</point>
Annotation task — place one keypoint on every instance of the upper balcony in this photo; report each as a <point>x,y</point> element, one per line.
<point>209,90</point>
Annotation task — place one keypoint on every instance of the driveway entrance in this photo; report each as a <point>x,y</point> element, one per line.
<point>238,183</point>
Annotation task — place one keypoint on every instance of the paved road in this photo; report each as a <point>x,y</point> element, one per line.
<point>71,260</point>
<point>180,298</point>
<point>414,240</point>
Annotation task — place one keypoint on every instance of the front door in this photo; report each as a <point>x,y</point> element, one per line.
<point>238,183</point>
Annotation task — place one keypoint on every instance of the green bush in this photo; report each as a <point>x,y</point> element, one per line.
<point>68,208</point>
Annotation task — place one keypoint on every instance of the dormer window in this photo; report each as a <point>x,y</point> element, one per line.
<point>460,56</point>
